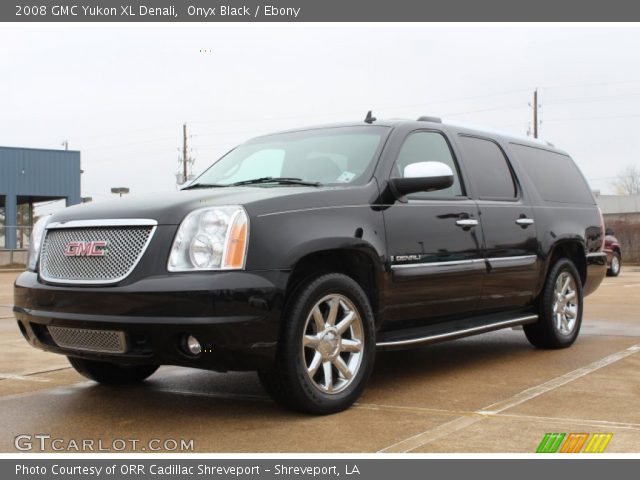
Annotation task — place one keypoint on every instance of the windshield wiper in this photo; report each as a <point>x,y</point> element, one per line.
<point>280,180</point>
<point>203,185</point>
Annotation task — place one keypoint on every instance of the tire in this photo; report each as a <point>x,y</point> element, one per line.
<point>111,373</point>
<point>616,265</point>
<point>559,323</point>
<point>330,371</point>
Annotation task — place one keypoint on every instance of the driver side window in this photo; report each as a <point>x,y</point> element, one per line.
<point>428,147</point>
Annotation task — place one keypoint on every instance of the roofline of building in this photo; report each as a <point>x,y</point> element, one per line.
<point>39,149</point>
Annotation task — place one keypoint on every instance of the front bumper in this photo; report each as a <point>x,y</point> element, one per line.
<point>234,315</point>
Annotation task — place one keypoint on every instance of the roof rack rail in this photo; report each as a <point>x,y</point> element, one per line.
<point>430,119</point>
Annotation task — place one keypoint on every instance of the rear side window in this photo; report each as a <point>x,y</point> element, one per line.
<point>554,175</point>
<point>488,169</point>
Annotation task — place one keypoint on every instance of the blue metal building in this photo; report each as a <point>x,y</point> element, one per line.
<point>28,176</point>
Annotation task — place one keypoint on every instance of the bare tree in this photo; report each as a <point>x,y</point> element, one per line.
<point>628,181</point>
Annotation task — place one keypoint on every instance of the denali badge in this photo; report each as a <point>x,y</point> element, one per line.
<point>85,249</point>
<point>405,258</point>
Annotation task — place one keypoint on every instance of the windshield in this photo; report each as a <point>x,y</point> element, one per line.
<point>327,156</point>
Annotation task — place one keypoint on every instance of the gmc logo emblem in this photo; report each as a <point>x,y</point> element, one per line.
<point>85,249</point>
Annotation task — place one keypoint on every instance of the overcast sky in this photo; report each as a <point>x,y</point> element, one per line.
<point>120,94</point>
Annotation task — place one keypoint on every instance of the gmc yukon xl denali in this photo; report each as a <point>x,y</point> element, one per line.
<point>299,254</point>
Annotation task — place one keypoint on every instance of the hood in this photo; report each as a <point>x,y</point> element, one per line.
<point>170,208</point>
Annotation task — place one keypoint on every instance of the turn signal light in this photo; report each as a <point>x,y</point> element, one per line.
<point>237,243</point>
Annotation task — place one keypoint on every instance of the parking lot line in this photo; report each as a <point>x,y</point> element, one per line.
<point>412,409</point>
<point>461,423</point>
<point>30,376</point>
<point>12,376</point>
<point>616,284</point>
<point>538,390</point>
<point>601,424</point>
<point>222,396</point>
<point>515,416</point>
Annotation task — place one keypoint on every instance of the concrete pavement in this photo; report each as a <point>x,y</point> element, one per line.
<point>491,393</point>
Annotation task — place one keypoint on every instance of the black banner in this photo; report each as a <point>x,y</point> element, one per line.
<point>318,11</point>
<point>311,469</point>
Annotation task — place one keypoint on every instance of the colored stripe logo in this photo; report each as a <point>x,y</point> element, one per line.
<point>598,442</point>
<point>574,443</point>
<point>550,442</point>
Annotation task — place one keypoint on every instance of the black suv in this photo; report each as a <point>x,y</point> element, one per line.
<point>299,254</point>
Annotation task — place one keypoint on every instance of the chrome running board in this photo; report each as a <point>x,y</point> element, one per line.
<point>456,332</point>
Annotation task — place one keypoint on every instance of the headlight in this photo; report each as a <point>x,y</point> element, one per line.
<point>37,234</point>
<point>211,239</point>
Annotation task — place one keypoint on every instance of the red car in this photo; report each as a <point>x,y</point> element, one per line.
<point>612,249</point>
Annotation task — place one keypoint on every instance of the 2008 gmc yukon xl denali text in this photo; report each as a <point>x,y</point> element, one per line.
<point>300,254</point>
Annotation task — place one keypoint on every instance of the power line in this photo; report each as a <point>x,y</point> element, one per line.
<point>593,99</point>
<point>354,111</point>
<point>596,84</point>
<point>358,110</point>
<point>121,132</point>
<point>128,144</point>
<point>504,107</point>
<point>603,117</point>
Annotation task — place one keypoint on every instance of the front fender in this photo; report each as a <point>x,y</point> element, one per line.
<point>279,240</point>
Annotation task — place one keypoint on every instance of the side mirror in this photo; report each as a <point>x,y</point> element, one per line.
<point>423,177</point>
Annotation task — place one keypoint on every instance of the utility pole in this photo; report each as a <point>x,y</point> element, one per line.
<point>185,150</point>
<point>185,164</point>
<point>535,113</point>
<point>536,123</point>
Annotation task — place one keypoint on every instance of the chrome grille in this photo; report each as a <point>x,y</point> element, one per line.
<point>104,341</point>
<point>125,246</point>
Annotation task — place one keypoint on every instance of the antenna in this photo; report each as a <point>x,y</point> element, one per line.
<point>369,118</point>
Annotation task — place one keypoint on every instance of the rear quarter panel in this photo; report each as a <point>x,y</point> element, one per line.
<point>559,222</point>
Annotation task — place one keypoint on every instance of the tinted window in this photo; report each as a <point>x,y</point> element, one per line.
<point>554,175</point>
<point>488,169</point>
<point>428,147</point>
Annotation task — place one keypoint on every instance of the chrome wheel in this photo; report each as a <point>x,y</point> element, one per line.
<point>332,343</point>
<point>615,264</point>
<point>565,304</point>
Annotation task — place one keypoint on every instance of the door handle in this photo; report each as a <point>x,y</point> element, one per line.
<point>524,221</point>
<point>467,222</point>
